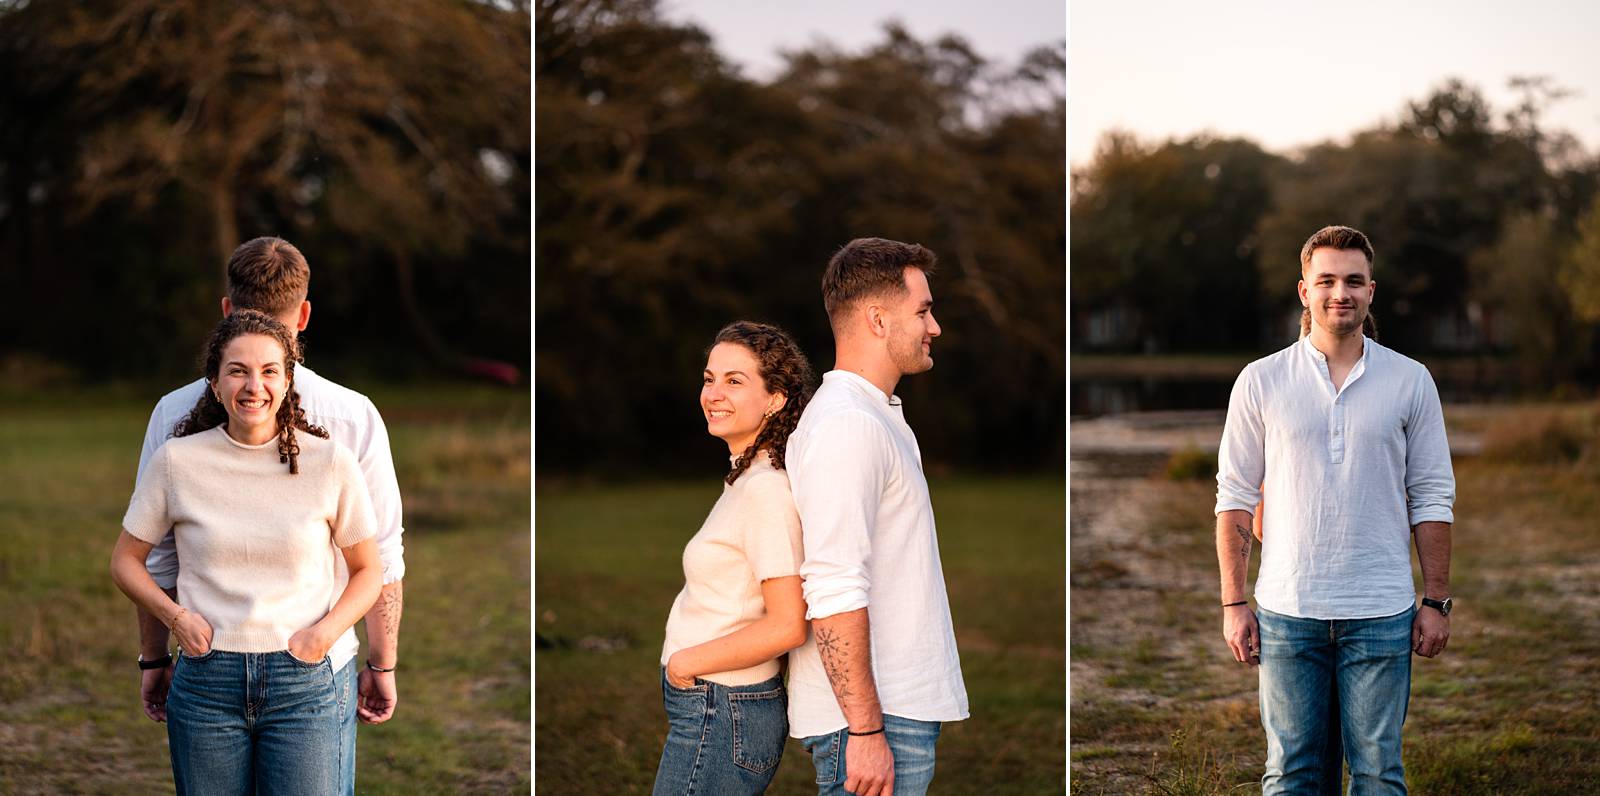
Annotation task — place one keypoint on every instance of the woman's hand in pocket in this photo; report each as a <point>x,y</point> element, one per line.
<point>193,632</point>
<point>676,676</point>
<point>309,645</point>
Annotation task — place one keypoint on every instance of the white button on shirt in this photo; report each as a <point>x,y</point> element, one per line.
<point>352,421</point>
<point>1347,473</point>
<point>856,474</point>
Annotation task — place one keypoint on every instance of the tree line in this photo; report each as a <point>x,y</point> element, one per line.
<point>142,140</point>
<point>1484,220</point>
<point>674,194</point>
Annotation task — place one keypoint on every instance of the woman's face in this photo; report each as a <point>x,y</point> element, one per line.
<point>251,383</point>
<point>733,397</point>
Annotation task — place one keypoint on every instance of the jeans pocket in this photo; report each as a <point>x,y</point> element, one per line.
<point>760,725</point>
<point>306,664</point>
<point>826,757</point>
<point>182,655</point>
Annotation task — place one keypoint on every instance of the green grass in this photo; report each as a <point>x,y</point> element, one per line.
<point>608,561</point>
<point>69,715</point>
<point>1509,708</point>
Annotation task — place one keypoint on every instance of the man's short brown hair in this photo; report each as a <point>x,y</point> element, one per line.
<point>268,274</point>
<point>1335,237</point>
<point>870,267</point>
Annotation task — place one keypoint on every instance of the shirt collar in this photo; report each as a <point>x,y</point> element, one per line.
<point>1305,343</point>
<point>862,384</point>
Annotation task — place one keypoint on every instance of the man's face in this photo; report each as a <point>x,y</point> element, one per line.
<point>1337,286</point>
<point>911,325</point>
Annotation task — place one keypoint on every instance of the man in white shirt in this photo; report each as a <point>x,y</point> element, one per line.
<point>869,689</point>
<point>1348,439</point>
<point>270,274</point>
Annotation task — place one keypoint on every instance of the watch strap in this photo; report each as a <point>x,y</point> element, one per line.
<point>155,663</point>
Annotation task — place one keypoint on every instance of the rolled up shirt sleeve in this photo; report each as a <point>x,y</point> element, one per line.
<point>377,468</point>
<point>1430,479</point>
<point>1241,459</point>
<point>838,484</point>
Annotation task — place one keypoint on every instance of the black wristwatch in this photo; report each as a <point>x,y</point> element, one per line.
<point>156,663</point>
<point>1442,606</point>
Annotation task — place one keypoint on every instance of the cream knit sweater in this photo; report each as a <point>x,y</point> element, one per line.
<point>254,540</point>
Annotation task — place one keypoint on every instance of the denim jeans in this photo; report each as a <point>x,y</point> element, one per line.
<point>722,739</point>
<point>345,690</point>
<point>910,741</point>
<point>246,722</point>
<point>1313,670</point>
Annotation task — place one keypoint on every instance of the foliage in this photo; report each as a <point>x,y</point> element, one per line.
<point>144,140</point>
<point>1191,464</point>
<point>1472,214</point>
<point>1171,229</point>
<point>675,195</point>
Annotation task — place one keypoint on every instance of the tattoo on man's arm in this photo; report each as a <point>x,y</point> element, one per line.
<point>1244,543</point>
<point>389,606</point>
<point>832,649</point>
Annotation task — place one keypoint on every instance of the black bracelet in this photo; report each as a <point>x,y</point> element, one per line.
<point>380,668</point>
<point>155,663</point>
<point>1241,602</point>
<point>859,734</point>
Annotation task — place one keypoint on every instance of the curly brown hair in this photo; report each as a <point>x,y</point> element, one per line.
<point>208,412</point>
<point>783,368</point>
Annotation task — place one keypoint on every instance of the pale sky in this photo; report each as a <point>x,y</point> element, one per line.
<point>751,33</point>
<point>1286,74</point>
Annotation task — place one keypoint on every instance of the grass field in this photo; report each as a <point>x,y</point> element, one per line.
<point>1511,707</point>
<point>608,561</point>
<point>69,715</point>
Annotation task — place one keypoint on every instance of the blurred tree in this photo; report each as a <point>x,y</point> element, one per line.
<point>1580,269</point>
<point>675,196</point>
<point>1521,275</point>
<point>1172,231</point>
<point>396,134</point>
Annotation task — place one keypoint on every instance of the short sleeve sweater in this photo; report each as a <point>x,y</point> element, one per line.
<point>752,534</point>
<point>254,539</point>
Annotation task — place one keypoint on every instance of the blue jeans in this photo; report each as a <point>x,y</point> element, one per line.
<point>345,684</point>
<point>246,722</point>
<point>722,739</point>
<point>1317,674</point>
<point>910,741</point>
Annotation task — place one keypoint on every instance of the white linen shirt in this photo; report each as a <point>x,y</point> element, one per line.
<point>1347,474</point>
<point>352,421</point>
<point>867,521</point>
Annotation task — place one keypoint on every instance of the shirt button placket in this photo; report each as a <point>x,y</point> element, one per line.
<point>1336,433</point>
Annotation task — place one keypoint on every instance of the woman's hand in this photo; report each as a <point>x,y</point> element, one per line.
<point>193,633</point>
<point>676,675</point>
<point>309,645</point>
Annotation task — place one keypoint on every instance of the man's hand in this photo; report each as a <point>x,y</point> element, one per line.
<point>377,696</point>
<point>153,685</point>
<point>869,766</point>
<point>1430,631</point>
<point>1243,635</point>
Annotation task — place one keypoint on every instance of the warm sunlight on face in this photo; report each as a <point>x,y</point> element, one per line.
<point>1337,286</point>
<point>733,397</point>
<point>251,384</point>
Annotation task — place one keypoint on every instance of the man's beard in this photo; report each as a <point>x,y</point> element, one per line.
<point>910,359</point>
<point>1333,323</point>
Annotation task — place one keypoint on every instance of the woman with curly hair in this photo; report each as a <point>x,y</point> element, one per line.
<point>257,510</point>
<point>741,608</point>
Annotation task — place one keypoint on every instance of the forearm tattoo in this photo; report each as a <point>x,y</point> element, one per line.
<point>390,603</point>
<point>832,649</point>
<point>1244,544</point>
